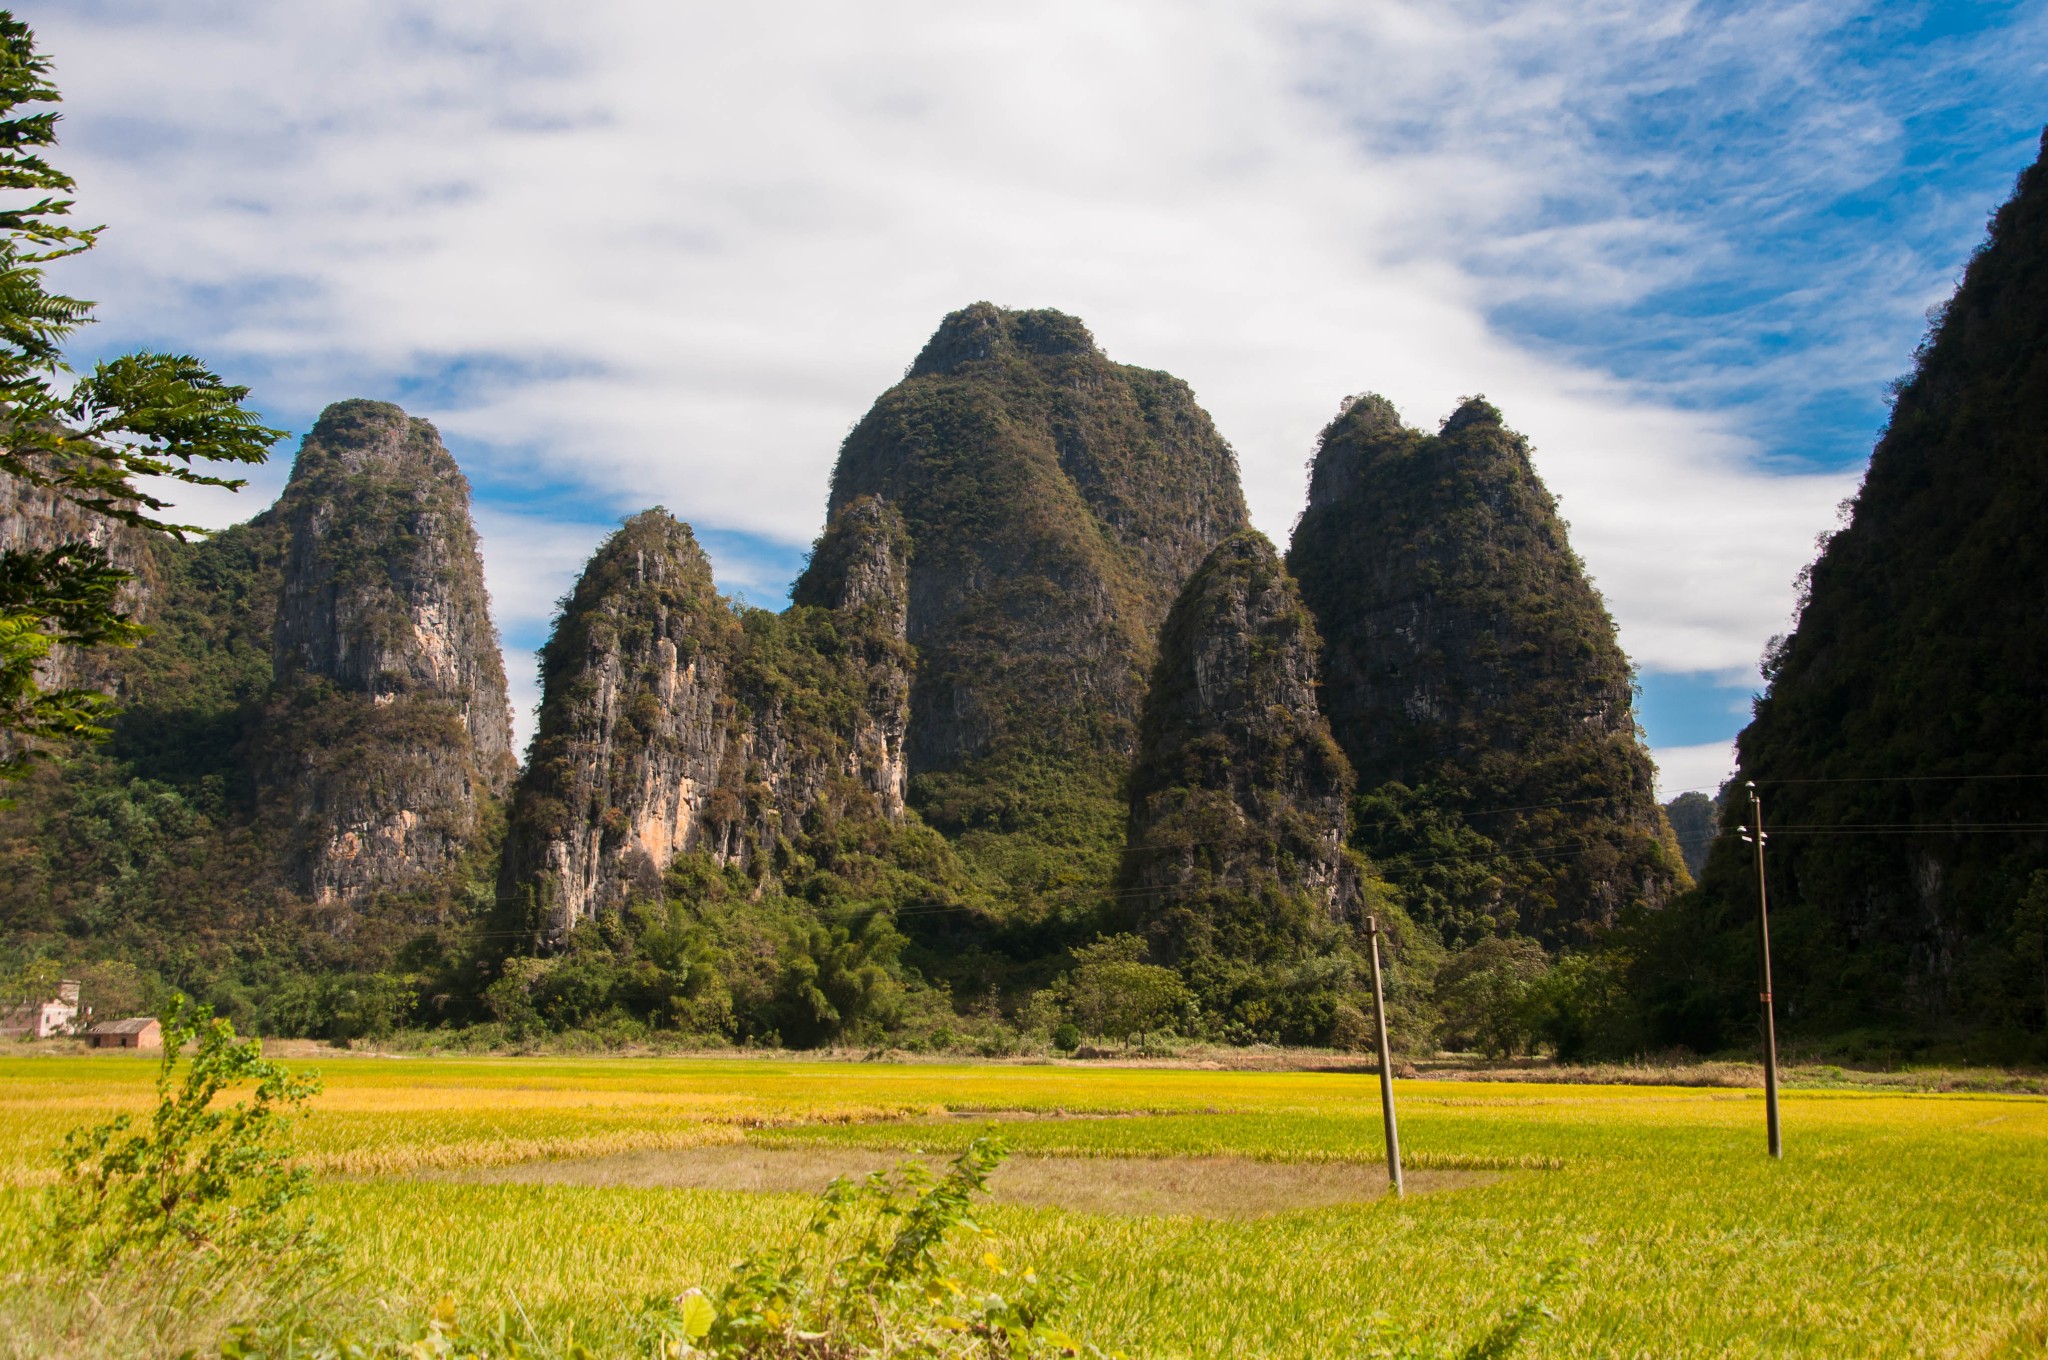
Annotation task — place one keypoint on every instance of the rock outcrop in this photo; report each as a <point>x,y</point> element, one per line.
<point>1239,797</point>
<point>388,734</point>
<point>1471,674</point>
<point>1054,503</point>
<point>670,723</point>
<point>1695,822</point>
<point>852,604</point>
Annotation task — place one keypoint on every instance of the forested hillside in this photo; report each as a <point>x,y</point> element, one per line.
<point>1048,738</point>
<point>1472,675</point>
<point>301,796</point>
<point>1901,748</point>
<point>1045,726</point>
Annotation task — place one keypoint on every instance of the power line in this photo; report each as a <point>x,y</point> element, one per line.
<point>1932,829</point>
<point>1899,779</point>
<point>1537,807</point>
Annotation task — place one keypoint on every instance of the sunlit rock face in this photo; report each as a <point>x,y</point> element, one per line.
<point>388,732</point>
<point>672,722</point>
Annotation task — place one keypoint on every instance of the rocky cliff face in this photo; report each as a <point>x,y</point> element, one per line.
<point>1472,676</point>
<point>1239,795</point>
<point>383,586</point>
<point>1695,822</point>
<point>850,616</point>
<point>388,735</point>
<point>672,724</point>
<point>35,520</point>
<point>1054,503</point>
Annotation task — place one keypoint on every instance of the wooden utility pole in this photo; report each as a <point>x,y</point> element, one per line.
<point>1379,1019</point>
<point>1754,834</point>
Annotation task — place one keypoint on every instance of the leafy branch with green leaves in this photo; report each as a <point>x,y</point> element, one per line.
<point>67,596</point>
<point>200,1174</point>
<point>893,1291</point>
<point>82,438</point>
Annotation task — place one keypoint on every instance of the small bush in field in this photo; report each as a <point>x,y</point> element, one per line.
<point>199,1174</point>
<point>443,1335</point>
<point>892,1291</point>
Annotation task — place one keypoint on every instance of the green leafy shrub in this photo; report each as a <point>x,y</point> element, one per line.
<point>1585,1008</point>
<point>200,1174</point>
<point>1114,992</point>
<point>874,1275</point>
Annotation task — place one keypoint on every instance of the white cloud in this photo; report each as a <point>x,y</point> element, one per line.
<point>1686,769</point>
<point>680,248</point>
<point>532,561</point>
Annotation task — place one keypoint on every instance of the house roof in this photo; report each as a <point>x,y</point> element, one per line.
<point>135,1026</point>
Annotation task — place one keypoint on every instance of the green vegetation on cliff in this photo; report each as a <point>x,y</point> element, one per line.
<point>179,850</point>
<point>1054,502</point>
<point>711,835</point>
<point>1236,866</point>
<point>1471,674</point>
<point>1695,822</point>
<point>139,850</point>
<point>1902,745</point>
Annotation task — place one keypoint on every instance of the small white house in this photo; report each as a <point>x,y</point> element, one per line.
<point>43,1019</point>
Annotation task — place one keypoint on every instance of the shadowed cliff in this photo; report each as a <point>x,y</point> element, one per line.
<point>1236,866</point>
<point>1906,888</point>
<point>1054,503</point>
<point>1471,674</point>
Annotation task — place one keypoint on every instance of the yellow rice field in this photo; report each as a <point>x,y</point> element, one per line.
<point>1647,1219</point>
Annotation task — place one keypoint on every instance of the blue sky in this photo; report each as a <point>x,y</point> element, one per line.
<point>637,254</point>
<point>1808,208</point>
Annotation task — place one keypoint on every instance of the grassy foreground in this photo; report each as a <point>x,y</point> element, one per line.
<point>1647,1219</point>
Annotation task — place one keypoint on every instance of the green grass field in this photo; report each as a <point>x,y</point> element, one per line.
<point>1646,1218</point>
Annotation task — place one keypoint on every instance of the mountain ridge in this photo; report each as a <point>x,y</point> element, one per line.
<point>1038,684</point>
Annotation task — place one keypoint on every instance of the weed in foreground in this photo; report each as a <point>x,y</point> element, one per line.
<point>198,1176</point>
<point>153,1230</point>
<point>889,1291</point>
<point>156,1235</point>
<point>875,1274</point>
